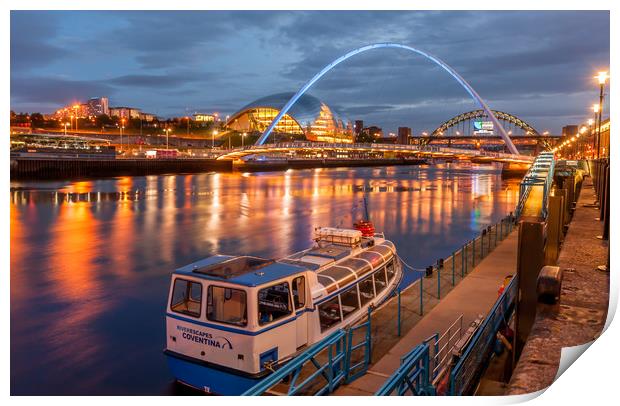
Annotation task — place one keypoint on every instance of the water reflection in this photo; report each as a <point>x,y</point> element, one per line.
<point>90,260</point>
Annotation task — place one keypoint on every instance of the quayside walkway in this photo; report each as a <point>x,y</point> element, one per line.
<point>582,309</point>
<point>474,295</point>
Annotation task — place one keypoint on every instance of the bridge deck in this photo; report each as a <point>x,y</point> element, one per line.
<point>474,295</point>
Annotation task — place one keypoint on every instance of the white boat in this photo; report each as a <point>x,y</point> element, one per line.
<point>231,320</point>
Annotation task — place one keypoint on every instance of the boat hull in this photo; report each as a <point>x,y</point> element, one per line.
<point>208,379</point>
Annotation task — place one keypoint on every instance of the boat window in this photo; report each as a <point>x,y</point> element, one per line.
<point>299,292</point>
<point>367,290</point>
<point>391,270</point>
<point>186,297</point>
<point>349,301</point>
<point>227,305</point>
<point>329,313</point>
<point>274,303</point>
<point>380,281</point>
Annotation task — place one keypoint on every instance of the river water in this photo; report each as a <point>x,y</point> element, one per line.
<point>90,260</point>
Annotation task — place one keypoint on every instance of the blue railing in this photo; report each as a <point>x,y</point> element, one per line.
<point>539,174</point>
<point>476,354</point>
<point>413,376</point>
<point>323,366</point>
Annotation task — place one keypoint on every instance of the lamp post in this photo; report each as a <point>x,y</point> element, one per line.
<point>213,134</point>
<point>243,140</point>
<point>187,118</point>
<point>602,78</point>
<point>595,108</point>
<point>65,125</point>
<point>167,131</point>
<point>121,128</point>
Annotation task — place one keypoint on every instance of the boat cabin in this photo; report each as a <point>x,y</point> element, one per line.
<point>246,314</point>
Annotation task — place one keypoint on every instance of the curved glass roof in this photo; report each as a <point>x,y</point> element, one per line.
<point>304,111</point>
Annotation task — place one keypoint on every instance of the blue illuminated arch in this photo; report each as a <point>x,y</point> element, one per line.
<point>511,147</point>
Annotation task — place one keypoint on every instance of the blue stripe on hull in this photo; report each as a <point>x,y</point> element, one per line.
<point>209,379</point>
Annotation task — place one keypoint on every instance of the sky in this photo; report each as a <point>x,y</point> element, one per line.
<point>536,65</point>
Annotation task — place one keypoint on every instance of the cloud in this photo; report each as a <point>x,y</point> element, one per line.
<point>526,61</point>
<point>55,90</point>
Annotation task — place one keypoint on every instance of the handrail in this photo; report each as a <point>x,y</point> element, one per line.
<point>480,347</point>
<point>413,375</point>
<point>545,162</point>
<point>335,368</point>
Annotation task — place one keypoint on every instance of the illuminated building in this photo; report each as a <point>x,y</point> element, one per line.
<point>308,117</point>
<point>203,117</point>
<point>98,106</point>
<point>125,112</point>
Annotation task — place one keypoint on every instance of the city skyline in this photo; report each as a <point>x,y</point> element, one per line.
<point>177,63</point>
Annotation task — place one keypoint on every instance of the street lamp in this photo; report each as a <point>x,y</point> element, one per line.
<point>213,134</point>
<point>66,124</point>
<point>121,128</point>
<point>76,108</point>
<point>167,131</point>
<point>243,140</point>
<point>187,118</point>
<point>602,79</point>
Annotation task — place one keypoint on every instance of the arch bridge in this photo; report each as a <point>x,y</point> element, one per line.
<point>509,121</point>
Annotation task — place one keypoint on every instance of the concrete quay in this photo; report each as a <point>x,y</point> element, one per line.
<point>580,314</point>
<point>474,295</point>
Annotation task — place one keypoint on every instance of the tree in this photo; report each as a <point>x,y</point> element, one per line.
<point>103,120</point>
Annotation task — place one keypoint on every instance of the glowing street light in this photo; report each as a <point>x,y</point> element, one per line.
<point>213,134</point>
<point>167,131</point>
<point>120,129</point>
<point>65,125</point>
<point>602,79</point>
<point>243,140</point>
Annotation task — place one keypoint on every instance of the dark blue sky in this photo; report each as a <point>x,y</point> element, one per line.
<point>536,65</point>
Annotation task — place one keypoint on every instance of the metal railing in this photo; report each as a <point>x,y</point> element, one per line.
<point>441,348</point>
<point>539,174</point>
<point>379,148</point>
<point>412,376</point>
<point>451,270</point>
<point>321,368</point>
<point>478,350</point>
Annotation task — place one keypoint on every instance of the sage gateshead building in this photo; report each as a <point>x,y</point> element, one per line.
<point>308,117</point>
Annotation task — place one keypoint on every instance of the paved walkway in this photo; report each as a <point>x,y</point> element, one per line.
<point>582,310</point>
<point>474,295</point>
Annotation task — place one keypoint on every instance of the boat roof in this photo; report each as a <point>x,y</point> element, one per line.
<point>239,270</point>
